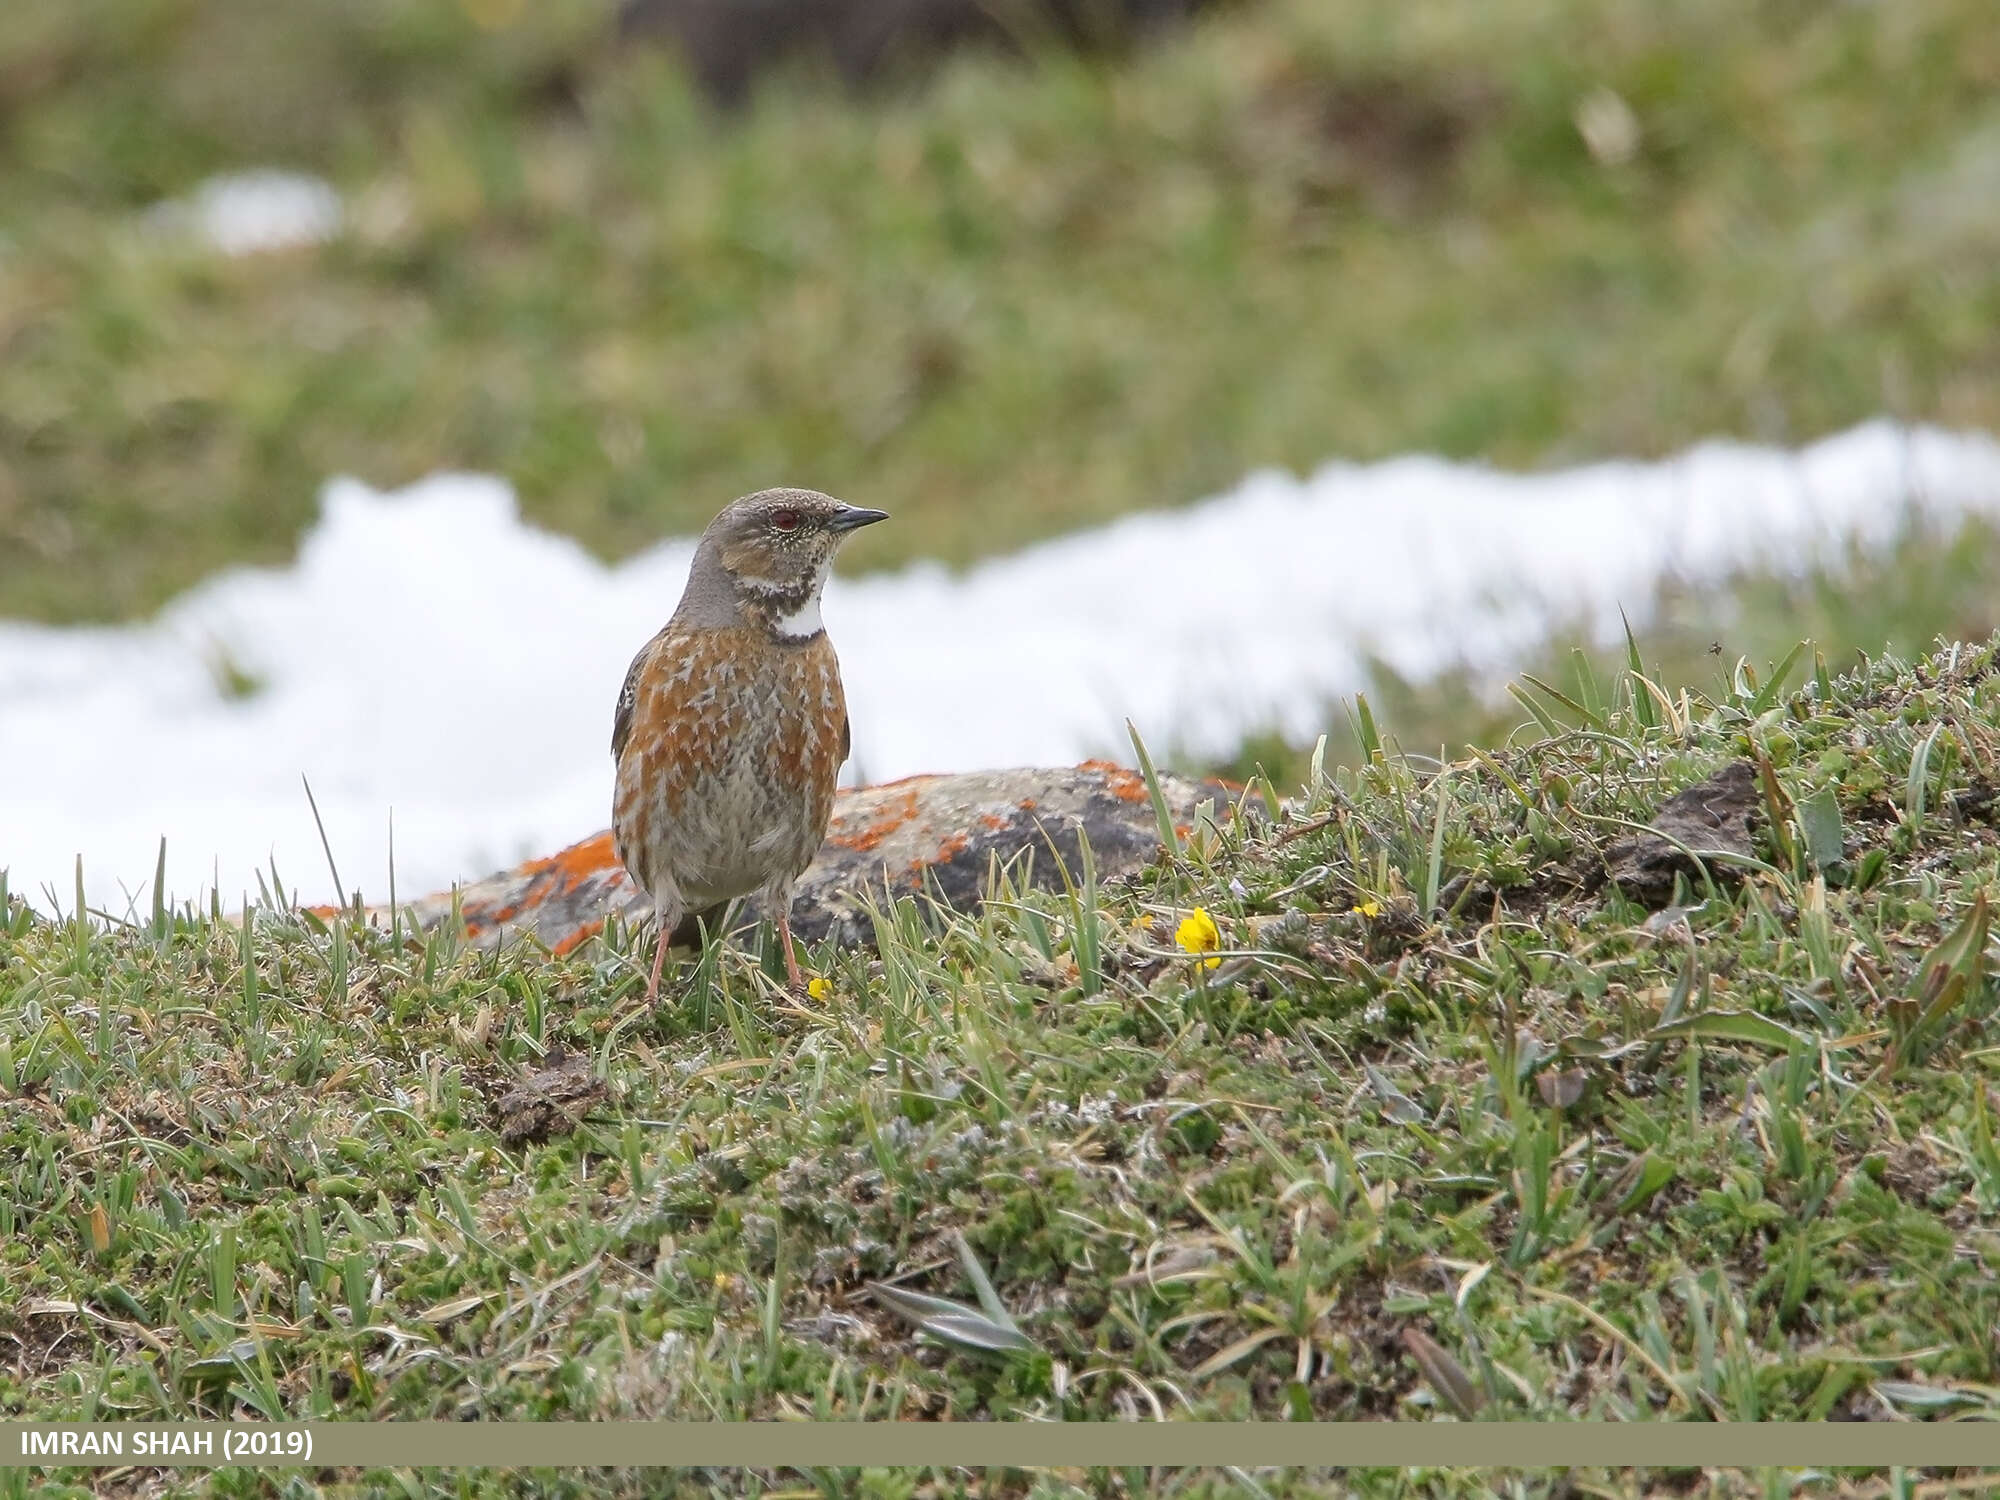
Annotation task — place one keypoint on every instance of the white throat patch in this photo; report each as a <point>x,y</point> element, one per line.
<point>803,623</point>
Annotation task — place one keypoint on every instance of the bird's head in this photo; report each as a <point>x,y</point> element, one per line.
<point>774,549</point>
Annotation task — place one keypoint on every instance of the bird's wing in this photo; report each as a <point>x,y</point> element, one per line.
<point>621,726</point>
<point>681,713</point>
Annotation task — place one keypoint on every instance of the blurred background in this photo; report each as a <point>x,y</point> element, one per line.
<point>1088,294</point>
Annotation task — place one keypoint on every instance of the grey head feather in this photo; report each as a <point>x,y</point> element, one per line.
<point>709,600</point>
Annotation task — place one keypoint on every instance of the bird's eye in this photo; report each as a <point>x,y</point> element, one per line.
<point>785,520</point>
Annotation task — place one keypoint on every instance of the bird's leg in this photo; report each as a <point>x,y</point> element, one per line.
<point>778,902</point>
<point>669,915</point>
<point>659,958</point>
<point>791,959</point>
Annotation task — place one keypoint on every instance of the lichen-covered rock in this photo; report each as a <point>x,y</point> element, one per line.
<point>940,834</point>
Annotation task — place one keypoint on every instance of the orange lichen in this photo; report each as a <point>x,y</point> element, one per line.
<point>1126,785</point>
<point>562,872</point>
<point>950,849</point>
<point>576,939</point>
<point>542,880</point>
<point>574,865</point>
<point>899,811</point>
<point>324,913</point>
<point>992,822</point>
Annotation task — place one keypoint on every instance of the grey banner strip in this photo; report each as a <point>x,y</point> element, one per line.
<point>787,1445</point>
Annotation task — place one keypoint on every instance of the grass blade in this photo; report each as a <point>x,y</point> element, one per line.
<point>1780,809</point>
<point>251,1013</point>
<point>1169,839</point>
<point>1643,708</point>
<point>1434,870</point>
<point>1731,1026</point>
<point>1540,715</point>
<point>1595,721</point>
<point>1586,686</point>
<point>1826,835</point>
<point>339,890</point>
<point>1767,695</point>
<point>951,1322</point>
<point>395,915</point>
<point>1916,787</point>
<point>160,894</point>
<point>1366,735</point>
<point>982,1285</point>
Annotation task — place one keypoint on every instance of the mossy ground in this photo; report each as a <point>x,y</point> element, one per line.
<point>1451,1129</point>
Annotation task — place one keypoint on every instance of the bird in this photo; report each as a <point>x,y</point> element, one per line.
<point>731,725</point>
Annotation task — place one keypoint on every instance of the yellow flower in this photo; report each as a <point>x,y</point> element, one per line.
<point>819,987</point>
<point>1370,909</point>
<point>1199,934</point>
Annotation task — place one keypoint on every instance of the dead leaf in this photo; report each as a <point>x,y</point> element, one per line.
<point>1231,1354</point>
<point>1446,1375</point>
<point>1561,1090</point>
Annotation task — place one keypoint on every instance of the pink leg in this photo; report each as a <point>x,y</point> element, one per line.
<point>669,916</point>
<point>791,958</point>
<point>659,958</point>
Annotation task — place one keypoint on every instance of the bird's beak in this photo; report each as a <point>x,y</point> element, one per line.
<point>852,517</point>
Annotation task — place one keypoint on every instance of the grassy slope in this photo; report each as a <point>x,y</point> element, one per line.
<point>1899,601</point>
<point>276,1187</point>
<point>1024,300</point>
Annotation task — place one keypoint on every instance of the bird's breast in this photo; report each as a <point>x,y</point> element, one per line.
<point>729,767</point>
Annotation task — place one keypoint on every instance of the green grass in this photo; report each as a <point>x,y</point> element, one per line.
<point>1014,302</point>
<point>1448,1130</point>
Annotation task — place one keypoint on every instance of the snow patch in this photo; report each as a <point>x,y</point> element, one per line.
<point>251,212</point>
<point>431,653</point>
